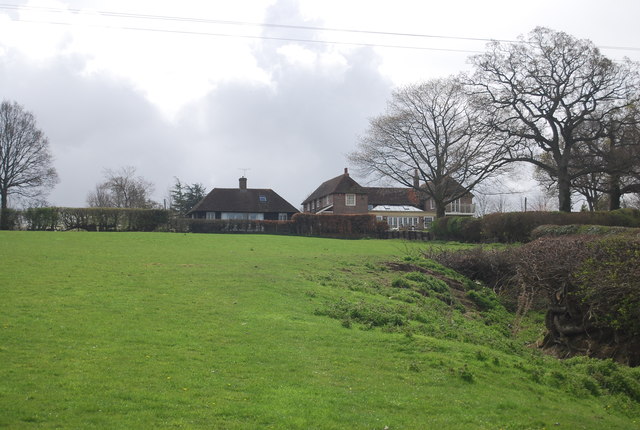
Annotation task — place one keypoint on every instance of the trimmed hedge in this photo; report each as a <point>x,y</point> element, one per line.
<point>519,226</point>
<point>459,228</point>
<point>118,219</point>
<point>564,230</point>
<point>339,226</point>
<point>9,219</point>
<point>94,219</point>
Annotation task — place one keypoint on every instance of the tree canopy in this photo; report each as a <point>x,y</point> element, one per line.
<point>185,196</point>
<point>122,189</point>
<point>430,130</point>
<point>26,163</point>
<point>552,94</point>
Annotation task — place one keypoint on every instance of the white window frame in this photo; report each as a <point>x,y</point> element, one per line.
<point>349,199</point>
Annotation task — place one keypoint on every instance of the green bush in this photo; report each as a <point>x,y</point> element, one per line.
<point>9,219</point>
<point>519,226</point>
<point>41,218</point>
<point>563,230</point>
<point>460,228</point>
<point>343,226</point>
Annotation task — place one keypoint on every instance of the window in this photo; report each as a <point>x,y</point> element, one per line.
<point>428,220</point>
<point>263,199</point>
<point>243,215</point>
<point>350,199</point>
<point>211,215</point>
<point>282,216</point>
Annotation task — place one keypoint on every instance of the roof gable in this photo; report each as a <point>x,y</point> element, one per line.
<point>342,184</point>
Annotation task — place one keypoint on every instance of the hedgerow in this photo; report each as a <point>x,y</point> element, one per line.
<point>513,227</point>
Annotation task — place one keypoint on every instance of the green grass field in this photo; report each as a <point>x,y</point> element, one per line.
<point>135,330</point>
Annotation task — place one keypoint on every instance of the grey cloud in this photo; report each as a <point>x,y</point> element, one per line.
<point>292,133</point>
<point>92,123</point>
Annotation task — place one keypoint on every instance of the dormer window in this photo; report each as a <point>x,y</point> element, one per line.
<point>263,199</point>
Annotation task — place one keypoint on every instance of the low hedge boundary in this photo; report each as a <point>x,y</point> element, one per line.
<point>514,227</point>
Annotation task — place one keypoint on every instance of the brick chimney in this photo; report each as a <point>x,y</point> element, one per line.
<point>416,179</point>
<point>243,183</point>
<point>346,171</point>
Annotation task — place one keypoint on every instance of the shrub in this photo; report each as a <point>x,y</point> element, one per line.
<point>344,226</point>
<point>518,226</point>
<point>494,267</point>
<point>9,219</point>
<point>609,282</point>
<point>563,230</point>
<point>41,218</point>
<point>460,228</point>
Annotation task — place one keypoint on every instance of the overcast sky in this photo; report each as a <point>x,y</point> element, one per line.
<point>202,89</point>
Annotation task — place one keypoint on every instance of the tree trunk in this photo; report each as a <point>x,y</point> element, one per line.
<point>440,210</point>
<point>615,193</point>
<point>4,225</point>
<point>564,191</point>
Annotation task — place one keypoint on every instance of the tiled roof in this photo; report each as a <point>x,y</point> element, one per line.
<point>253,200</point>
<point>342,184</point>
<point>392,196</point>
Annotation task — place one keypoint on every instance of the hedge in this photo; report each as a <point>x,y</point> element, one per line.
<point>93,219</point>
<point>119,219</point>
<point>339,226</point>
<point>519,226</point>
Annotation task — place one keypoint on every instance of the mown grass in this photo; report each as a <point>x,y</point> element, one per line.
<point>132,330</point>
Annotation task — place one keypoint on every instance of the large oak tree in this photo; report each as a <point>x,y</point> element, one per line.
<point>430,129</point>
<point>552,94</point>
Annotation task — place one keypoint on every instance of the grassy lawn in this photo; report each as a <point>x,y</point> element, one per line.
<point>135,330</point>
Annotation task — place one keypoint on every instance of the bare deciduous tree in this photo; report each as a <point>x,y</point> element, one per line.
<point>26,164</point>
<point>430,129</point>
<point>551,93</point>
<point>122,189</point>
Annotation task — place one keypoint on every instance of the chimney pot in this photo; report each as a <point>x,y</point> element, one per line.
<point>243,183</point>
<point>346,171</point>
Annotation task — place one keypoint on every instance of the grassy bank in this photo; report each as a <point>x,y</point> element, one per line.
<point>134,330</point>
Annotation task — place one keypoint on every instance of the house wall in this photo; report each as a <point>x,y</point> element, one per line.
<point>340,207</point>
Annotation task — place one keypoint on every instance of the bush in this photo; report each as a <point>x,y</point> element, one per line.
<point>609,283</point>
<point>563,230</point>
<point>41,218</point>
<point>588,284</point>
<point>344,226</point>
<point>9,219</point>
<point>518,226</point>
<point>460,228</point>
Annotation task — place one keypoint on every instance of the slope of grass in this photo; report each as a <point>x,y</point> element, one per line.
<point>232,331</point>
